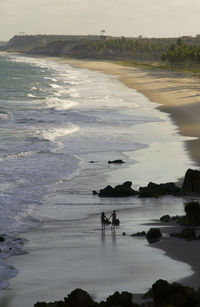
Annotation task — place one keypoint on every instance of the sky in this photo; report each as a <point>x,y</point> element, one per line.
<point>149,18</point>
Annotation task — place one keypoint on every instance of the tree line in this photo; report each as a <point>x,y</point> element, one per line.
<point>124,48</point>
<point>182,53</point>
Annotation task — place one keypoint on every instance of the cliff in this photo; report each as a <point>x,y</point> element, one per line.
<point>24,43</point>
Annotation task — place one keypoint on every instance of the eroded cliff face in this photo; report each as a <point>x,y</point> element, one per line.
<point>46,44</point>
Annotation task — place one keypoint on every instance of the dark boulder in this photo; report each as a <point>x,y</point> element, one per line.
<point>165,218</point>
<point>187,233</point>
<point>79,298</point>
<point>124,299</point>
<point>106,192</point>
<point>121,190</point>
<point>165,295</point>
<point>2,239</point>
<point>153,235</point>
<point>95,193</point>
<point>192,217</point>
<point>116,161</point>
<point>191,183</point>
<point>157,190</point>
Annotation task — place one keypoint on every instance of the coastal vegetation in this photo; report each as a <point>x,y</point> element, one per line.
<point>181,53</point>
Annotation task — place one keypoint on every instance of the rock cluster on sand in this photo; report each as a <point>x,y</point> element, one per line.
<point>192,217</point>
<point>120,190</point>
<point>80,298</point>
<point>191,186</point>
<point>187,233</point>
<point>153,235</point>
<point>156,190</point>
<point>162,293</point>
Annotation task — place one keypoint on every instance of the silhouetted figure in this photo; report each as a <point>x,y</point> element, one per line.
<point>114,218</point>
<point>103,220</point>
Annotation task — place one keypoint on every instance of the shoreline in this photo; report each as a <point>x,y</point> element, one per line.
<point>120,77</point>
<point>177,94</point>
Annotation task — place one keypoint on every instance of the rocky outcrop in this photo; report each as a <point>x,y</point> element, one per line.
<point>191,183</point>
<point>165,295</point>
<point>153,235</point>
<point>162,293</point>
<point>122,190</point>
<point>188,234</point>
<point>157,190</point>
<point>192,217</point>
<point>80,298</point>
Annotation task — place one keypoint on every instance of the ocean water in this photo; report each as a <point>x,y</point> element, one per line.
<point>59,125</point>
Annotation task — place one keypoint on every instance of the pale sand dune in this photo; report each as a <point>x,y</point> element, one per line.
<point>177,93</point>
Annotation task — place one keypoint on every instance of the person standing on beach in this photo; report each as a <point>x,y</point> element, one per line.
<point>103,220</point>
<point>113,221</point>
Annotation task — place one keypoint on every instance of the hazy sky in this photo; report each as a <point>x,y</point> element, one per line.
<point>158,18</point>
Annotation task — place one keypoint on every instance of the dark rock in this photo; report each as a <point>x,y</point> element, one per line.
<point>153,235</point>
<point>165,218</point>
<point>157,190</point>
<point>106,192</point>
<point>123,299</point>
<point>191,183</point>
<point>116,161</point>
<point>187,233</point>
<point>148,294</point>
<point>165,294</point>
<point>2,239</point>
<point>192,217</point>
<point>123,234</point>
<point>79,298</point>
<point>139,234</point>
<point>95,193</point>
<point>121,190</point>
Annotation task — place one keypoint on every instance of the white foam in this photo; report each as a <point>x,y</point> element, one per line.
<point>4,116</point>
<point>60,104</point>
<point>31,95</point>
<point>54,85</point>
<point>34,88</point>
<point>21,154</point>
<point>54,133</point>
<point>52,79</point>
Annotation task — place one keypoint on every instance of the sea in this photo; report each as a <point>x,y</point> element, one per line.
<point>59,126</point>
